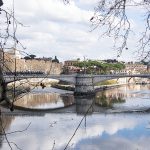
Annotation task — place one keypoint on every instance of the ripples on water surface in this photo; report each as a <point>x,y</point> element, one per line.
<point>99,131</point>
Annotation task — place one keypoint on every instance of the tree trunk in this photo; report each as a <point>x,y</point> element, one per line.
<point>3,84</point>
<point>3,87</point>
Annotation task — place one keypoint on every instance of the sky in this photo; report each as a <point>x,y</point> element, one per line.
<point>52,28</point>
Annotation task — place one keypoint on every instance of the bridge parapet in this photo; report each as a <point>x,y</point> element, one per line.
<point>67,78</point>
<point>100,78</point>
<point>84,83</point>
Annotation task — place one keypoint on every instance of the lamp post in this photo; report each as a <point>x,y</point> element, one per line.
<point>84,64</point>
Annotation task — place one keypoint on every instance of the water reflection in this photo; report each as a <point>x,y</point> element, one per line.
<point>102,131</point>
<point>121,98</point>
<point>109,100</point>
<point>45,100</point>
<point>5,123</point>
<point>84,105</point>
<point>129,97</point>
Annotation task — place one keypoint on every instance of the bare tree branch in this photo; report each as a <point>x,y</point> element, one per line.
<point>111,18</point>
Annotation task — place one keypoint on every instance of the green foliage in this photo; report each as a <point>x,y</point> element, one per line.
<point>107,82</point>
<point>118,66</point>
<point>32,56</point>
<point>93,66</point>
<point>144,62</point>
<point>105,101</point>
<point>27,57</point>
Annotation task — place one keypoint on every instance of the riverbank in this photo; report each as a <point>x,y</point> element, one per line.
<point>64,87</point>
<point>97,88</point>
<point>34,82</point>
<point>106,87</point>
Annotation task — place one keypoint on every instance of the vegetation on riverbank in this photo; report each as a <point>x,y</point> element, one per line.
<point>104,101</point>
<point>107,82</point>
<point>63,87</point>
<point>97,67</point>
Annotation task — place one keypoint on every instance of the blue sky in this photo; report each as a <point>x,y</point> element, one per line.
<point>53,28</point>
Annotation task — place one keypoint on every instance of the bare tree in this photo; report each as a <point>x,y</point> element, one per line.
<point>7,35</point>
<point>2,43</point>
<point>8,40</point>
<point>111,16</point>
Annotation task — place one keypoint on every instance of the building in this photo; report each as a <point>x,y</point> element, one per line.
<point>12,57</point>
<point>70,63</point>
<point>136,68</point>
<point>133,68</point>
<point>12,54</point>
<point>70,67</point>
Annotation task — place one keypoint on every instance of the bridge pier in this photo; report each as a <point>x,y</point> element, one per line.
<point>84,85</point>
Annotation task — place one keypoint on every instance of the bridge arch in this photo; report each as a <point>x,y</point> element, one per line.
<point>101,78</point>
<point>65,78</point>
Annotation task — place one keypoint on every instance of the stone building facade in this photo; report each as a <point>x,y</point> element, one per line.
<point>69,67</point>
<point>45,66</point>
<point>133,69</point>
<point>70,62</point>
<point>137,68</point>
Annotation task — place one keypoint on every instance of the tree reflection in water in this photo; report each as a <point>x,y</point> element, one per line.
<point>108,101</point>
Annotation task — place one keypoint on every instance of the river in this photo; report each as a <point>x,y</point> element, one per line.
<point>114,120</point>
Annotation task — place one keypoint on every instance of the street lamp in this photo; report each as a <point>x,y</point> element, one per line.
<point>94,69</point>
<point>84,64</point>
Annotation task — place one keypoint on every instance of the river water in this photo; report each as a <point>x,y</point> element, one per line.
<point>114,120</point>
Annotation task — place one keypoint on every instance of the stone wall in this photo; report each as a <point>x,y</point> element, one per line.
<point>45,66</point>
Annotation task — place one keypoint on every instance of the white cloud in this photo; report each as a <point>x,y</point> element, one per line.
<point>63,30</point>
<point>88,4</point>
<point>43,135</point>
<point>116,143</point>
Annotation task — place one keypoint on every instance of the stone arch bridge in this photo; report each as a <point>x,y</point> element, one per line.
<point>84,83</point>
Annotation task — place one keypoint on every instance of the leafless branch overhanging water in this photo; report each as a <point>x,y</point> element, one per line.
<point>11,20</point>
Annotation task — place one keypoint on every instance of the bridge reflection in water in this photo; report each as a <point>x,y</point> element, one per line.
<point>56,103</point>
<point>45,101</point>
<point>123,98</point>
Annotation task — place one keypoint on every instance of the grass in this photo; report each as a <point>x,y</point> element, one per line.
<point>108,82</point>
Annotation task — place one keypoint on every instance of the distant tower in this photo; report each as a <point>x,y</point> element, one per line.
<point>14,53</point>
<point>17,54</point>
